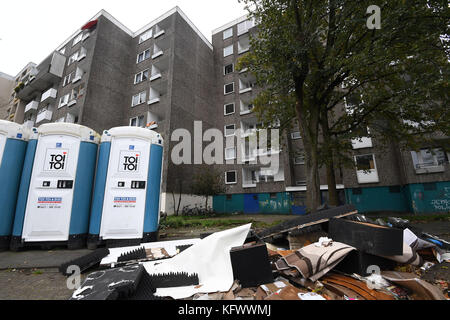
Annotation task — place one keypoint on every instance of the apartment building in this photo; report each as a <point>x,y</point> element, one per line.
<point>166,76</point>
<point>252,187</point>
<point>390,179</point>
<point>6,89</point>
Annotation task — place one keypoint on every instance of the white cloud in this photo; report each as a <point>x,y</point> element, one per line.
<point>31,29</point>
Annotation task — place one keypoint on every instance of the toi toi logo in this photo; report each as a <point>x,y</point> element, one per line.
<point>57,161</point>
<point>374,21</point>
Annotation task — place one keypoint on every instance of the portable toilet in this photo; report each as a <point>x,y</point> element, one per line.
<point>56,187</point>
<point>13,145</point>
<point>125,208</point>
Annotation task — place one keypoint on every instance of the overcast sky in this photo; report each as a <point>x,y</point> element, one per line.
<point>31,29</point>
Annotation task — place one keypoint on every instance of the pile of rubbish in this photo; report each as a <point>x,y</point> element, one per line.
<point>334,254</point>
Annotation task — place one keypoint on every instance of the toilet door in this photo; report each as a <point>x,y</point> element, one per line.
<point>50,196</point>
<point>126,189</point>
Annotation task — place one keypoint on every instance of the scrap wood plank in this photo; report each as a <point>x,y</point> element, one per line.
<point>308,220</point>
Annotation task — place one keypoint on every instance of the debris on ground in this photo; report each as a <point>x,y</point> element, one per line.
<point>334,254</point>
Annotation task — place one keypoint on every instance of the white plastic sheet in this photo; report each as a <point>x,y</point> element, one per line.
<point>169,246</point>
<point>209,258</point>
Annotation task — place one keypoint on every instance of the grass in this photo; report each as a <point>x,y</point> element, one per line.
<point>174,222</point>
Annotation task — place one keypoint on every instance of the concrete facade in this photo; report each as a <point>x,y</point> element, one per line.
<point>167,76</point>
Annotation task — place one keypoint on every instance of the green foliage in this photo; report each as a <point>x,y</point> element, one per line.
<point>311,56</point>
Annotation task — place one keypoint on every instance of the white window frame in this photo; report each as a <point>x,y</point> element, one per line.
<point>248,24</point>
<point>142,96</point>
<point>235,176</point>
<point>225,108</point>
<point>299,162</point>
<point>230,64</point>
<point>225,86</point>
<point>226,52</point>
<point>72,58</point>
<point>145,36</point>
<point>296,135</point>
<point>144,57</point>
<point>77,39</point>
<point>225,130</point>
<point>141,76</point>
<point>63,101</point>
<point>234,156</point>
<point>68,78</point>
<point>228,33</point>
<point>137,121</point>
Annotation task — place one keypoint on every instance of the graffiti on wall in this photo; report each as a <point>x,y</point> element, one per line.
<point>441,202</point>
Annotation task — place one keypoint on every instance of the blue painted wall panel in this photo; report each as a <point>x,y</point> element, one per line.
<point>153,190</point>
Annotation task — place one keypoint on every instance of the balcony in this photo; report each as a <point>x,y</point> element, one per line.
<point>47,74</point>
<point>49,94</point>
<point>367,176</point>
<point>243,45</point>
<point>44,114</point>
<point>363,142</point>
<point>28,124</point>
<point>246,108</point>
<point>158,32</point>
<point>430,167</point>
<point>33,105</point>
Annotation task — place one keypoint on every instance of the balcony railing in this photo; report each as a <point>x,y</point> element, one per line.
<point>33,105</point>
<point>44,115</point>
<point>51,93</point>
<point>430,167</point>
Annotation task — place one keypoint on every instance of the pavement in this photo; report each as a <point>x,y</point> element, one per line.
<point>34,275</point>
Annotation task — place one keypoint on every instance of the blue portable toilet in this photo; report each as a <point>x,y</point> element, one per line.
<point>126,204</point>
<point>56,187</point>
<point>13,145</point>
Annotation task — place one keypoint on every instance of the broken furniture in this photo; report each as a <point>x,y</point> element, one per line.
<point>370,238</point>
<point>251,264</point>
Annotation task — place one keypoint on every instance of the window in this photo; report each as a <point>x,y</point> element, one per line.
<point>243,27</point>
<point>77,39</point>
<point>77,92</point>
<point>230,177</point>
<point>139,98</point>
<point>227,51</point>
<point>78,75</point>
<point>63,50</point>
<point>300,159</point>
<point>296,135</point>
<point>228,69</point>
<point>63,101</point>
<point>141,76</point>
<point>68,78</point>
<point>143,56</point>
<point>230,153</point>
<point>229,88</point>
<point>227,33</point>
<point>82,54</point>
<point>145,36</point>
<point>72,58</point>
<point>229,108</point>
<point>137,122</point>
<point>365,162</point>
<point>229,130</point>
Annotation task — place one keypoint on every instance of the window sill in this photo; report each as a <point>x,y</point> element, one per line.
<point>81,58</point>
<point>246,186</point>
<point>71,103</point>
<point>245,112</point>
<point>243,51</point>
<point>76,79</point>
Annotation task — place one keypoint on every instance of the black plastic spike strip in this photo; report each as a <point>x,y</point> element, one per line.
<point>144,290</point>
<point>183,247</point>
<point>85,262</point>
<point>308,220</point>
<point>178,279</point>
<point>133,255</point>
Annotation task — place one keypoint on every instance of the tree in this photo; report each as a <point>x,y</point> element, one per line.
<point>176,206</point>
<point>311,56</point>
<point>208,183</point>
